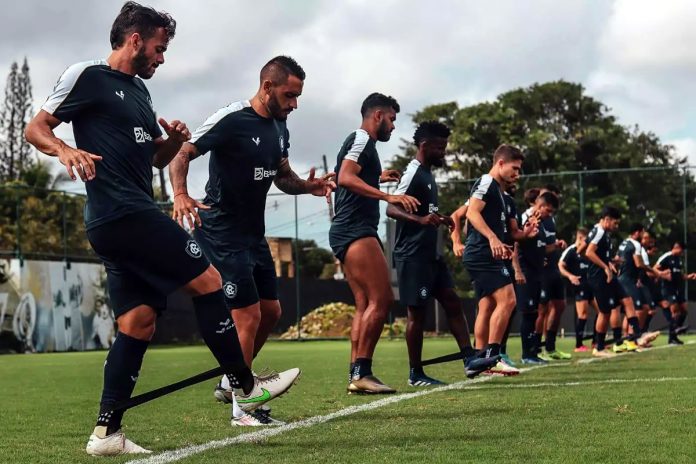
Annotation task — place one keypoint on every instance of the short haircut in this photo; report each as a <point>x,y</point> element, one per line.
<point>377,100</point>
<point>279,68</point>
<point>553,188</point>
<point>144,20</point>
<point>610,211</point>
<point>636,227</point>
<point>531,195</point>
<point>507,153</point>
<point>678,243</point>
<point>581,231</point>
<point>549,198</point>
<point>429,130</point>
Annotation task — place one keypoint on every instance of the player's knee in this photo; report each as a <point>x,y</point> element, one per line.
<point>271,312</point>
<point>208,282</point>
<point>138,323</point>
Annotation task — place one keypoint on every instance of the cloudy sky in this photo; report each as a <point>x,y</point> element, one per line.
<point>636,56</point>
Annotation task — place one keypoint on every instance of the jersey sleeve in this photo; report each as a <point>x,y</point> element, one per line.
<point>357,147</point>
<point>482,188</point>
<point>214,132</point>
<point>595,236</point>
<point>566,255</point>
<point>407,179</point>
<point>72,94</point>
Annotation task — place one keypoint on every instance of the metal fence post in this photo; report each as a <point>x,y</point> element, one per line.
<point>685,231</point>
<point>581,200</point>
<point>65,230</point>
<point>297,271</point>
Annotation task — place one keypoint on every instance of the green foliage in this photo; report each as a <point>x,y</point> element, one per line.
<point>15,113</point>
<point>313,259</point>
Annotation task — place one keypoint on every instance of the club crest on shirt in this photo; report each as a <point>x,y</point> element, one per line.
<point>230,289</point>
<point>423,293</point>
<point>193,249</point>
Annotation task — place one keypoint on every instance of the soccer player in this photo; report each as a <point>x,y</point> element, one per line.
<point>552,299</point>
<point>651,294</point>
<point>573,266</point>
<point>248,141</point>
<point>673,301</point>
<point>147,256</point>
<point>422,272</point>
<point>532,254</point>
<point>601,276</point>
<point>353,234</point>
<point>485,251</point>
<point>631,266</point>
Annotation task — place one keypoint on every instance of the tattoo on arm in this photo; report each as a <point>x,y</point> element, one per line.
<point>287,181</point>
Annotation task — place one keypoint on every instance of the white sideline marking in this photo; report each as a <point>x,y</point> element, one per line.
<point>182,453</point>
<point>577,383</point>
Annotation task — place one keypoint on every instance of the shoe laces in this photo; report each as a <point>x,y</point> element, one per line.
<point>266,375</point>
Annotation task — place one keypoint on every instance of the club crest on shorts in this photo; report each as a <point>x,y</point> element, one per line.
<point>193,249</point>
<point>423,293</point>
<point>506,273</point>
<point>230,289</point>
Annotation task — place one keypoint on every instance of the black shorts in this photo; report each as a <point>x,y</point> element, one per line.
<point>582,292</point>
<point>147,256</point>
<point>655,292</point>
<point>248,273</point>
<point>673,293</point>
<point>419,280</point>
<point>488,279</point>
<point>646,297</point>
<point>341,237</point>
<point>552,287</point>
<point>608,295</point>
<point>528,295</point>
<point>631,289</point>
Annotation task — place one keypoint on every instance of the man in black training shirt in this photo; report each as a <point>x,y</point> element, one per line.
<point>248,143</point>
<point>672,290</point>
<point>485,252</point>
<point>353,234</point>
<point>422,272</point>
<point>573,266</point>
<point>147,256</point>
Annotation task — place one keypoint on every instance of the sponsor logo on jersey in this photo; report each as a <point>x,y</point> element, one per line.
<point>433,208</point>
<point>281,141</point>
<point>141,136</point>
<point>120,94</point>
<point>193,249</point>
<point>256,140</point>
<point>230,289</point>
<point>261,173</point>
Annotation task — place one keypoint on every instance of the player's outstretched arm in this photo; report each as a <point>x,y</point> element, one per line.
<point>185,207</point>
<point>400,214</point>
<point>575,280</point>
<point>456,234</point>
<point>39,133</point>
<point>350,180</point>
<point>177,134</point>
<point>289,182</point>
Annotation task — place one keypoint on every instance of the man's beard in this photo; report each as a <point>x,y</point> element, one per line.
<point>383,132</point>
<point>275,109</point>
<point>141,65</point>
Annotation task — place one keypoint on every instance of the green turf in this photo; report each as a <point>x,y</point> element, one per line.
<point>50,402</point>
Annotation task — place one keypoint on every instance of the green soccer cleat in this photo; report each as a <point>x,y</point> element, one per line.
<point>559,355</point>
<point>544,356</point>
<point>620,348</point>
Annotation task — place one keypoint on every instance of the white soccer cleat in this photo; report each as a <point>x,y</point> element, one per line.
<point>503,368</point>
<point>260,417</point>
<point>267,388</point>
<point>247,420</point>
<point>113,445</point>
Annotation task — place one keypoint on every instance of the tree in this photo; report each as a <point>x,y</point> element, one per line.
<point>15,151</point>
<point>561,128</point>
<point>312,258</point>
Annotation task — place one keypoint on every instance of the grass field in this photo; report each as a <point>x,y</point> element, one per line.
<point>637,408</point>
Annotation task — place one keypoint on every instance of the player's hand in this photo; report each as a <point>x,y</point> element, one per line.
<point>80,161</point>
<point>609,273</point>
<point>561,244</point>
<point>321,186</point>
<point>575,280</point>
<point>458,249</point>
<point>520,279</point>
<point>390,175</point>
<point>666,274</point>
<point>176,131</point>
<point>186,209</point>
<point>499,250</point>
<point>446,221</point>
<point>613,268</point>
<point>431,219</point>
<point>531,227</point>
<point>407,202</point>
<point>691,276</point>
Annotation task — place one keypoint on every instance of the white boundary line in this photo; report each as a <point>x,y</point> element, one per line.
<point>182,453</point>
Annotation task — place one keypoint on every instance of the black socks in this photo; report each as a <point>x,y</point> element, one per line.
<point>529,339</point>
<point>121,371</point>
<point>635,325</point>
<point>600,338</point>
<point>362,367</point>
<point>550,341</point>
<point>618,335</point>
<point>218,332</point>
<point>580,332</point>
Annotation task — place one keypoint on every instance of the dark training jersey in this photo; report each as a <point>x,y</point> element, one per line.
<point>511,213</point>
<point>414,241</point>
<point>477,252</point>
<point>353,210</point>
<point>532,251</point>
<point>601,238</point>
<point>627,250</point>
<point>551,264</point>
<point>674,264</point>
<point>112,116</point>
<point>575,264</point>
<point>245,152</point>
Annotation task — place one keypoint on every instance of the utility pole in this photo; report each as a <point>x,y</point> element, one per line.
<point>326,171</point>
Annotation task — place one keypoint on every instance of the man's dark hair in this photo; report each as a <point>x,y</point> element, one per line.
<point>581,231</point>
<point>144,20</point>
<point>553,188</point>
<point>278,69</point>
<point>429,130</point>
<point>636,227</point>
<point>678,242</point>
<point>550,199</point>
<point>610,211</point>
<point>530,195</point>
<point>507,153</point>
<point>378,100</point>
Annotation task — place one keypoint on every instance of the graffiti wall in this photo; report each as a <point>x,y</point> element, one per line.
<point>53,306</point>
